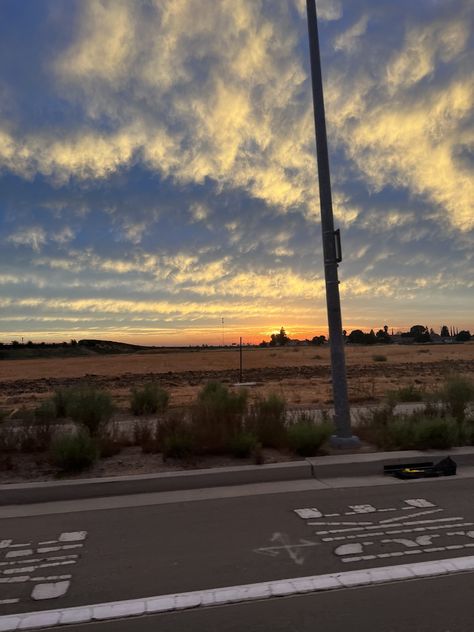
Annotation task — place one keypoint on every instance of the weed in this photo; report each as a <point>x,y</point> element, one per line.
<point>439,434</point>
<point>149,399</point>
<point>91,408</point>
<point>378,357</point>
<point>61,400</point>
<point>242,444</point>
<point>305,437</point>
<point>409,393</point>
<point>456,394</point>
<point>73,452</point>
<point>266,419</point>
<point>46,411</point>
<point>217,416</point>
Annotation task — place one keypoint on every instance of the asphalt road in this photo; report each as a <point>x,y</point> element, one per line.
<point>144,551</point>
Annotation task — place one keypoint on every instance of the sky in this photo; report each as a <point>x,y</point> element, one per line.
<point>158,180</point>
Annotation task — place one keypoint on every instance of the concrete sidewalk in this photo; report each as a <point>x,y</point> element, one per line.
<point>344,465</point>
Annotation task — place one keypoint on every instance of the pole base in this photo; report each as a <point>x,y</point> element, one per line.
<point>344,443</point>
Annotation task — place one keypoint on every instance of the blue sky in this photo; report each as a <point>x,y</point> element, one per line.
<point>157,167</point>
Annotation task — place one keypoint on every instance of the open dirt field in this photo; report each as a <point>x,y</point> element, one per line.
<point>301,374</point>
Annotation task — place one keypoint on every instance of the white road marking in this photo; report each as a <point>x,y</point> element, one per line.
<point>4,544</point>
<point>8,601</point>
<point>73,536</point>
<point>235,594</point>
<point>51,578</point>
<point>51,590</point>
<point>397,531</point>
<point>451,547</point>
<point>414,515</point>
<point>409,523</point>
<point>334,524</point>
<point>419,502</point>
<point>294,550</point>
<point>308,512</point>
<point>22,553</point>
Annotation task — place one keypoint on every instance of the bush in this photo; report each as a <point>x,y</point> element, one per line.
<point>408,393</point>
<point>439,434</point>
<point>46,411</point>
<point>243,444</point>
<point>379,358</point>
<point>61,401</point>
<point>217,417</point>
<point>148,400</point>
<point>266,419</point>
<point>305,437</point>
<point>73,452</point>
<point>175,438</point>
<point>91,408</point>
<point>456,394</point>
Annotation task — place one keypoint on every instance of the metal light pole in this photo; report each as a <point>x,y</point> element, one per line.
<point>331,247</point>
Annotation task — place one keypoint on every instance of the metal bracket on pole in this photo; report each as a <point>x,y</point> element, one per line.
<point>337,245</point>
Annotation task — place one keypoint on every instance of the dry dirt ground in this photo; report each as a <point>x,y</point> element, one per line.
<point>300,374</point>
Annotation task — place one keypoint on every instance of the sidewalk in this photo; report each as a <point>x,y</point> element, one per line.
<point>344,465</point>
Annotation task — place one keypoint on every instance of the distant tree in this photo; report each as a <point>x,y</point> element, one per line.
<point>416,330</point>
<point>356,336</point>
<point>385,328</point>
<point>318,340</point>
<point>263,344</point>
<point>73,343</point>
<point>463,336</point>
<point>280,339</point>
<point>423,337</point>
<point>444,331</point>
<point>15,343</point>
<point>383,336</point>
<point>29,344</point>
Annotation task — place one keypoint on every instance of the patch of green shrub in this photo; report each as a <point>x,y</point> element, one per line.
<point>408,393</point>
<point>217,416</point>
<point>243,444</point>
<point>91,408</point>
<point>174,437</point>
<point>437,434</point>
<point>267,421</point>
<point>73,452</point>
<point>305,437</point>
<point>61,400</point>
<point>46,411</point>
<point>456,394</point>
<point>149,399</point>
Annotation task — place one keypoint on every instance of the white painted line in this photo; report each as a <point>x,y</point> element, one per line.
<point>4,544</point>
<point>334,524</point>
<point>8,601</point>
<point>20,546</point>
<point>57,557</point>
<point>22,553</point>
<point>46,542</point>
<point>377,526</point>
<point>23,569</point>
<point>419,502</point>
<point>48,549</point>
<point>414,515</point>
<point>235,594</point>
<point>308,512</point>
<point>396,532</point>
<point>52,578</point>
<point>451,547</point>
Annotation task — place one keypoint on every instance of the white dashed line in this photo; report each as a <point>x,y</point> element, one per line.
<point>235,594</point>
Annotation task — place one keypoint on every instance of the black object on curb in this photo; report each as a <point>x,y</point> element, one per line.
<point>446,467</point>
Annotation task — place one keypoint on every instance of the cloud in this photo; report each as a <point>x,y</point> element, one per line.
<point>33,237</point>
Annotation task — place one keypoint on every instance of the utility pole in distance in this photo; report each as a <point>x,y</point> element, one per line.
<point>331,247</point>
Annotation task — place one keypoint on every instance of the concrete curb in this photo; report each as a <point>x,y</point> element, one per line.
<point>346,465</point>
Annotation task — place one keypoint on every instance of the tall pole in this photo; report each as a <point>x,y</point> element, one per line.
<point>240,354</point>
<point>331,246</point>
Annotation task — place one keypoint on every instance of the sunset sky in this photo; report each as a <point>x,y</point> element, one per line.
<point>157,167</point>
